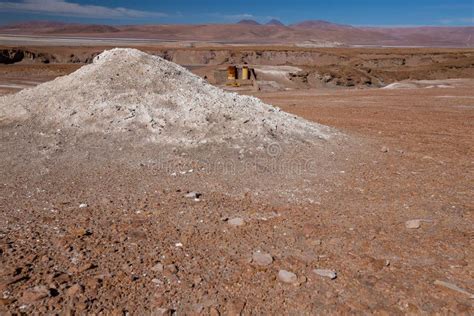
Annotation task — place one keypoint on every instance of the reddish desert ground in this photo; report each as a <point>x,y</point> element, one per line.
<point>379,222</point>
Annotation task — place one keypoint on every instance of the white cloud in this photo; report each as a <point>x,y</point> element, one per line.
<point>233,17</point>
<point>451,6</point>
<point>458,20</point>
<point>64,8</point>
<point>241,16</point>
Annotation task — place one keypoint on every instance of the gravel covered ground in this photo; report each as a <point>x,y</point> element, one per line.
<point>96,224</point>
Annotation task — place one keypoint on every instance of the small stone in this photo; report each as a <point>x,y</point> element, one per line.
<point>82,306</point>
<point>193,195</point>
<point>83,205</point>
<point>82,268</point>
<point>198,309</point>
<point>413,224</point>
<point>287,277</point>
<point>74,290</point>
<point>162,312</point>
<point>384,149</point>
<point>80,232</point>
<point>302,279</point>
<point>157,268</point>
<point>93,283</point>
<point>158,282</point>
<point>454,287</point>
<point>326,273</point>
<point>236,222</point>
<point>35,294</point>
<point>197,280</point>
<point>86,266</point>
<point>315,242</point>
<point>172,268</point>
<point>5,301</point>
<point>378,264</point>
<point>214,312</point>
<point>235,307</point>
<point>262,259</point>
<point>62,278</point>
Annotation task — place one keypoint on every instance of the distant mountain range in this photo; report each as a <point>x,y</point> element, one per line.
<point>248,22</point>
<point>274,22</point>
<point>250,31</point>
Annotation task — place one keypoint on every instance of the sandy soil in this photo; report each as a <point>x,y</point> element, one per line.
<point>140,246</point>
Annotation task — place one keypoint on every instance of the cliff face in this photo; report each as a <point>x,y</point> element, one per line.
<point>255,56</point>
<point>327,67</point>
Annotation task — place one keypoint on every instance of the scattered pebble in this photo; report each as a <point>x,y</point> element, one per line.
<point>287,277</point>
<point>326,273</point>
<point>173,269</point>
<point>82,268</point>
<point>214,312</point>
<point>235,307</point>
<point>162,312</point>
<point>197,280</point>
<point>413,224</point>
<point>74,290</point>
<point>261,258</point>
<point>378,264</point>
<point>158,282</point>
<point>34,294</point>
<point>315,242</point>
<point>302,279</point>
<point>178,244</point>
<point>384,149</point>
<point>157,268</point>
<point>83,205</point>
<point>236,221</point>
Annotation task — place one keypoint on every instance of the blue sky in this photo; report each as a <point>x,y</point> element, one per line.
<point>356,12</point>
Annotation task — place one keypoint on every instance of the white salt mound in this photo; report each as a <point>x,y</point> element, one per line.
<point>126,90</point>
<point>400,85</point>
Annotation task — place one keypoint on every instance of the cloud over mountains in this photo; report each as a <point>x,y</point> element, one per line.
<point>65,8</point>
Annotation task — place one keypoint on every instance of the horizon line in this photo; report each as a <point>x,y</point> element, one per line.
<point>238,23</point>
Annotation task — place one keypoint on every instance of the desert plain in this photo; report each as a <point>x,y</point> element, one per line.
<point>365,205</point>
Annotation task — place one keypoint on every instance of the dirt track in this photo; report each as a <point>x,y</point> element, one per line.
<point>415,163</point>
